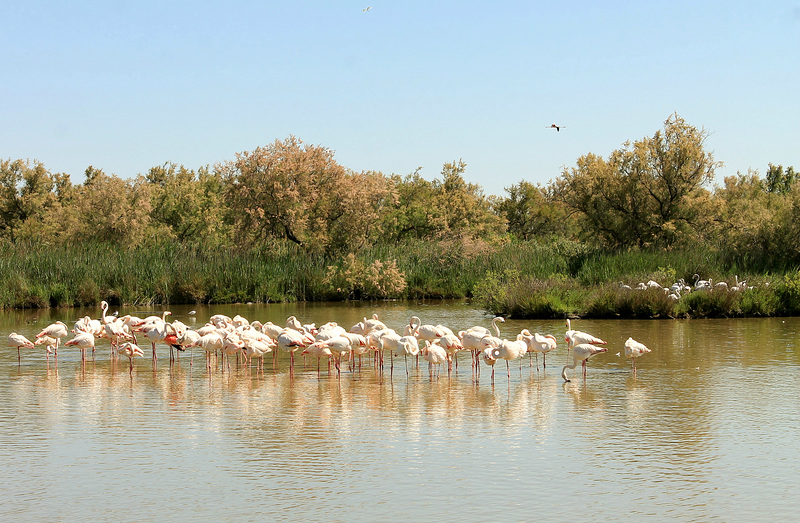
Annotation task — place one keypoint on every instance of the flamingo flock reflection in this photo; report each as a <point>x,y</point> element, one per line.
<point>224,339</point>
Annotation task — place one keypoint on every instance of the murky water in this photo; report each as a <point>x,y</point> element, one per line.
<point>709,429</point>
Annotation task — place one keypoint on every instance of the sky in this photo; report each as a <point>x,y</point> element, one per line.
<point>126,86</point>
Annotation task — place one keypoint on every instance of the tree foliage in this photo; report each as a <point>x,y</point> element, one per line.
<point>530,214</point>
<point>26,190</point>
<point>649,193</point>
<point>298,192</point>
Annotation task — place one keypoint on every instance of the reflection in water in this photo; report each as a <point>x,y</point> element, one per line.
<point>708,429</point>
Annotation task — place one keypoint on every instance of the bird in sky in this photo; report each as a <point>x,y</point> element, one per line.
<point>367,9</point>
<point>556,127</point>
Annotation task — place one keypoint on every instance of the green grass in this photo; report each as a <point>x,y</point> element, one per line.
<point>522,280</point>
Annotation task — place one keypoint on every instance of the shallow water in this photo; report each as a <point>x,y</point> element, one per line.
<point>708,429</point>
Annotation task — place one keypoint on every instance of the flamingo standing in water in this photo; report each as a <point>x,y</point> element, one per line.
<point>436,355</point>
<point>573,338</point>
<point>18,341</point>
<point>408,346</point>
<point>55,331</point>
<point>49,344</point>
<point>581,353</point>
<point>291,339</point>
<point>634,349</point>
<point>538,343</point>
<point>82,340</point>
<point>130,350</point>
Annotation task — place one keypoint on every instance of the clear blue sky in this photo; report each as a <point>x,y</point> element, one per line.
<point>126,86</point>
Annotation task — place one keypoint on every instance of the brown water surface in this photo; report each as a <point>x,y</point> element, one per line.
<point>708,429</point>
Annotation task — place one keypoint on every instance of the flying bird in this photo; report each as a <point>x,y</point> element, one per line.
<point>367,9</point>
<point>556,127</point>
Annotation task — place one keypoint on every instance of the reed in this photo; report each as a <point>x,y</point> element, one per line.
<point>521,280</point>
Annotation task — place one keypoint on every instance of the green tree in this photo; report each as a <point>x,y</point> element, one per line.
<point>113,210</point>
<point>530,214</point>
<point>448,208</point>
<point>465,211</point>
<point>410,214</point>
<point>26,190</point>
<point>780,181</point>
<point>648,193</point>
<point>188,203</point>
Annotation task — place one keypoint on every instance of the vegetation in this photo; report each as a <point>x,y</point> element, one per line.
<point>286,222</point>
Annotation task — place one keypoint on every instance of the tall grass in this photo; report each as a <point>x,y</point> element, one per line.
<point>514,279</point>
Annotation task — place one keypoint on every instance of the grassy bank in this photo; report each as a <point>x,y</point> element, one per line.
<point>515,280</point>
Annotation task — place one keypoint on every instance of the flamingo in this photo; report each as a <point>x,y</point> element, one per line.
<point>316,350</point>
<point>338,346</point>
<point>49,344</point>
<point>508,350</point>
<point>634,349</point>
<point>291,339</point>
<point>187,340</point>
<point>210,343</point>
<point>538,343</point>
<point>130,350</point>
<point>408,346</point>
<point>388,339</point>
<point>436,355</point>
<point>471,338</point>
<point>18,341</point>
<point>488,358</point>
<point>423,332</point>
<point>581,353</point>
<point>577,337</point>
<point>556,127</point>
<point>82,340</point>
<point>256,349</point>
<point>54,331</point>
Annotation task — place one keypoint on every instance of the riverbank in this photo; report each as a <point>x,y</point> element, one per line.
<point>516,280</point>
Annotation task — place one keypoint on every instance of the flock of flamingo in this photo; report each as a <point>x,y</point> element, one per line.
<point>237,337</point>
<point>680,287</point>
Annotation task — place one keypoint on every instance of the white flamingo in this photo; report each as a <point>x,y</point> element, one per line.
<point>130,350</point>
<point>634,349</point>
<point>18,341</point>
<point>574,338</point>
<point>510,350</point>
<point>54,331</point>
<point>407,346</point>
<point>82,340</point>
<point>539,344</point>
<point>581,353</point>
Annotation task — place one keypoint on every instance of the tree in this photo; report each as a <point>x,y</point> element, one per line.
<point>297,192</point>
<point>26,190</point>
<point>411,214</point>
<point>648,193</point>
<point>529,213</point>
<point>448,208</point>
<point>113,210</point>
<point>780,181</point>
<point>464,208</point>
<point>188,203</point>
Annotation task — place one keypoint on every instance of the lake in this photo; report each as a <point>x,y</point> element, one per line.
<point>707,429</point>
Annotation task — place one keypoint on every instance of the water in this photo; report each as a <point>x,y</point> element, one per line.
<point>708,429</point>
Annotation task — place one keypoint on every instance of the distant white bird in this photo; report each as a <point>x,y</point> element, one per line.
<point>634,349</point>
<point>367,9</point>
